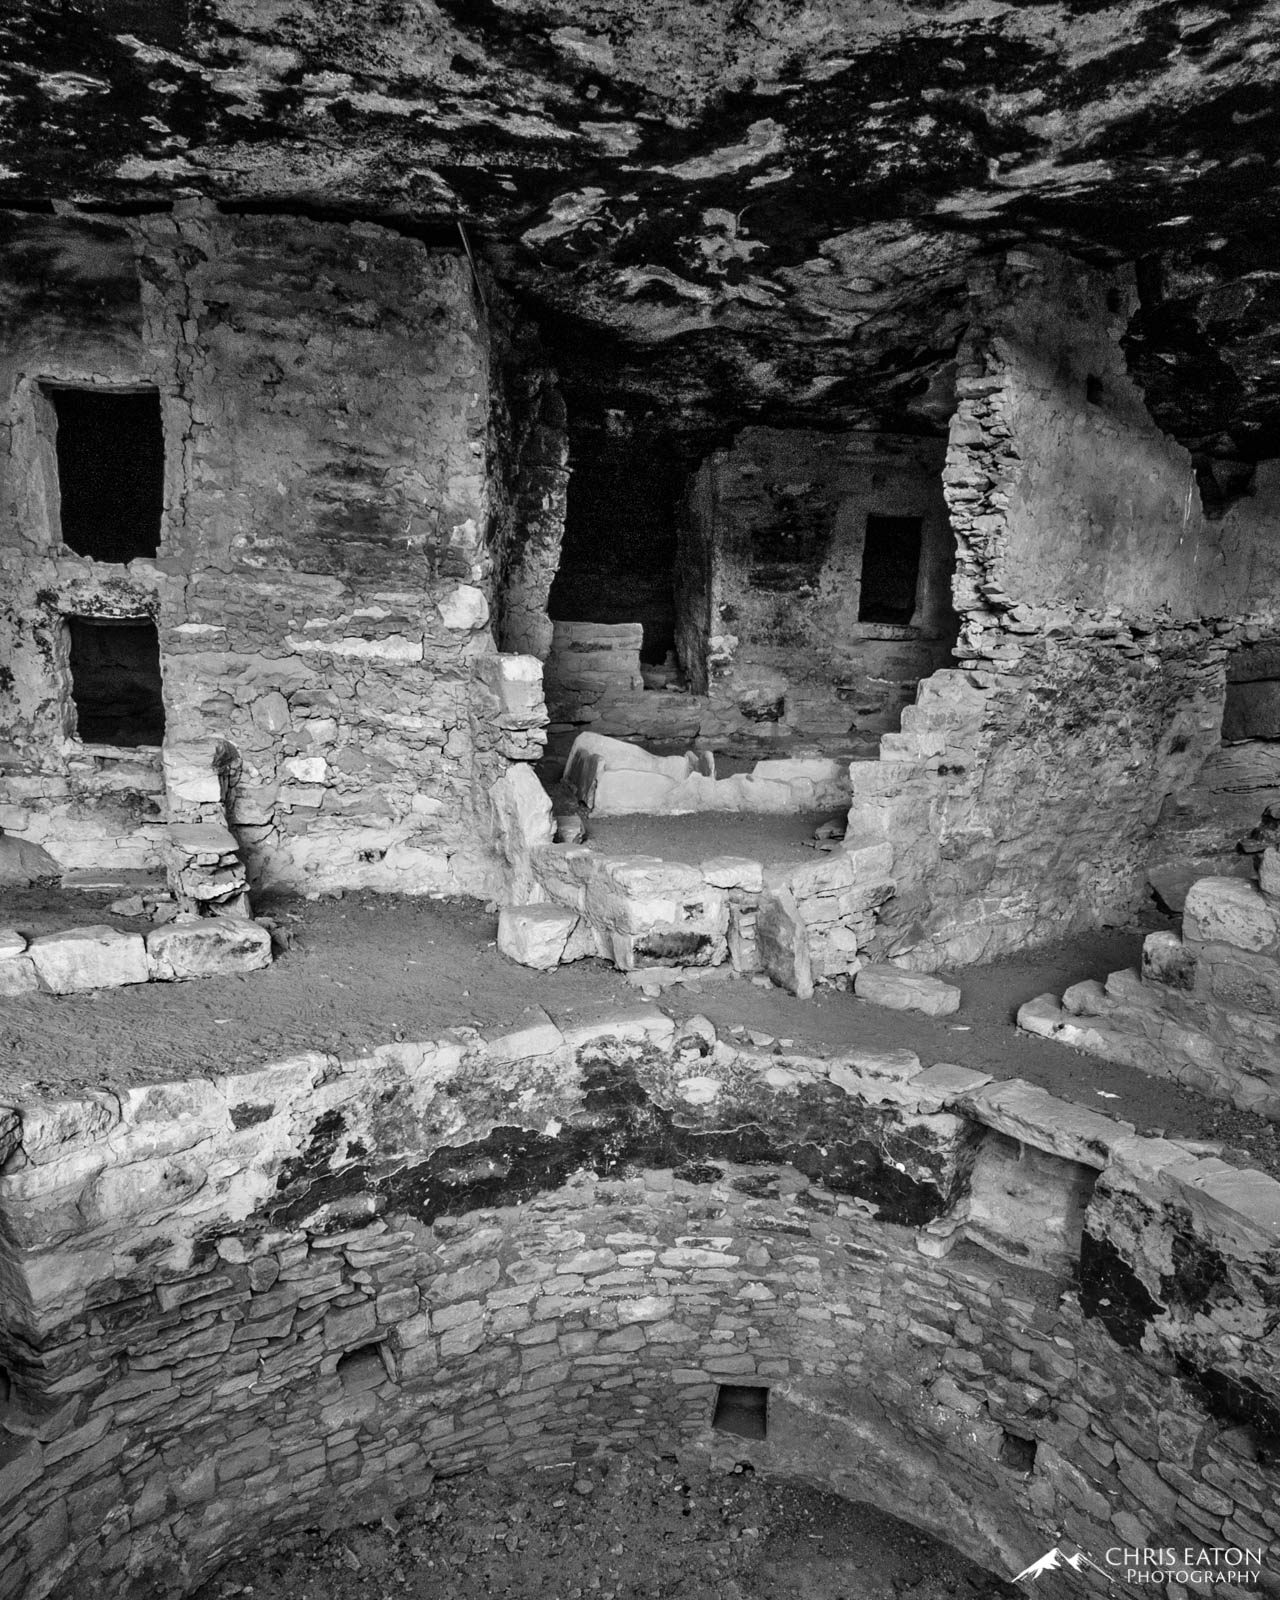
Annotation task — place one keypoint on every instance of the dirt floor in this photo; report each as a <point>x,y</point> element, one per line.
<point>364,969</point>
<point>632,1528</point>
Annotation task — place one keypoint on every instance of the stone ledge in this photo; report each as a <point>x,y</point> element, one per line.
<point>97,956</point>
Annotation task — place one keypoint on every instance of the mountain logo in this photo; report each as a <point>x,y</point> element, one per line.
<point>1057,1558</point>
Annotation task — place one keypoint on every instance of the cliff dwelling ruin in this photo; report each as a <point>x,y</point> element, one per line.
<point>639,798</point>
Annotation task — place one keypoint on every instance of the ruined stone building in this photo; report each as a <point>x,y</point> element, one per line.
<point>427,426</point>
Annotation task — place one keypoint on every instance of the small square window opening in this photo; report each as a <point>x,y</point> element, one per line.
<point>115,681</point>
<point>742,1409</point>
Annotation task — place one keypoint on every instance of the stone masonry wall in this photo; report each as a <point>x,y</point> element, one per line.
<point>1025,788</point>
<point>325,574</point>
<point>773,543</point>
<point>235,1306</point>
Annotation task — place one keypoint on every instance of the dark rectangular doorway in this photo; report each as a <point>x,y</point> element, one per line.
<point>110,450</point>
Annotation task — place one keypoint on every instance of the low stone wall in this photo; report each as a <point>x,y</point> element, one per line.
<point>234,1307</point>
<point>103,957</point>
<point>1205,1008</point>
<point>798,924</point>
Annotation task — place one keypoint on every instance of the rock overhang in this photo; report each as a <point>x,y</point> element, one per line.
<point>762,211</point>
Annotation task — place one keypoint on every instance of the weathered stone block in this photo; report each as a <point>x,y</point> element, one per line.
<point>208,947</point>
<point>89,958</point>
<point>890,986</point>
<point>23,862</point>
<point>734,872</point>
<point>1244,979</point>
<point>522,813</point>
<point>1165,959</point>
<point>1229,910</point>
<point>464,609</point>
<point>17,976</point>
<point>782,943</point>
<point>535,936</point>
<point>1085,999</point>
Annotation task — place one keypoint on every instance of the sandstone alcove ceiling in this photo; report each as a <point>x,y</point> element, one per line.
<point>753,209</point>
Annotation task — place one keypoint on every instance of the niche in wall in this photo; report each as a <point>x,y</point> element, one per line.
<point>115,680</point>
<point>110,455</point>
<point>742,1409</point>
<point>1026,1205</point>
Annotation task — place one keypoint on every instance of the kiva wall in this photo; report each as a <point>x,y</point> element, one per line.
<point>233,1307</point>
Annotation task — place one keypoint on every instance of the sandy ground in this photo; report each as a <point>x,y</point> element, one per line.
<point>367,968</point>
<point>633,1528</point>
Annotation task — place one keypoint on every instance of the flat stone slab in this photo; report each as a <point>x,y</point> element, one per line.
<point>734,872</point>
<point>945,1082</point>
<point>208,947</point>
<point>121,880</point>
<point>89,958</point>
<point>1035,1117</point>
<point>885,985</point>
<point>12,943</point>
<point>535,936</point>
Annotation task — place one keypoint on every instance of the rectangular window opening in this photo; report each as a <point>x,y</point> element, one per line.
<point>742,1409</point>
<point>890,569</point>
<point>115,681</point>
<point>110,452</point>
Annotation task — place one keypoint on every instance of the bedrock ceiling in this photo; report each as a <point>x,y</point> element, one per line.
<point>720,210</point>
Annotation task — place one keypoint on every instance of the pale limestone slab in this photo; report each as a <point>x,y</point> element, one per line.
<point>539,1038</point>
<point>464,609</point>
<point>1229,910</point>
<point>635,1025</point>
<point>535,936</point>
<point>733,872</point>
<point>208,947</point>
<point>1035,1117</point>
<point>17,976</point>
<point>890,986</point>
<point>1085,999</point>
<point>89,958</point>
<point>948,1080</point>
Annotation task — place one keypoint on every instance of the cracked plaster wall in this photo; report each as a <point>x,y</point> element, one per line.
<point>325,573</point>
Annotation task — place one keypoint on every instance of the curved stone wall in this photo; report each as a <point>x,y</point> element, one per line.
<point>238,1307</point>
